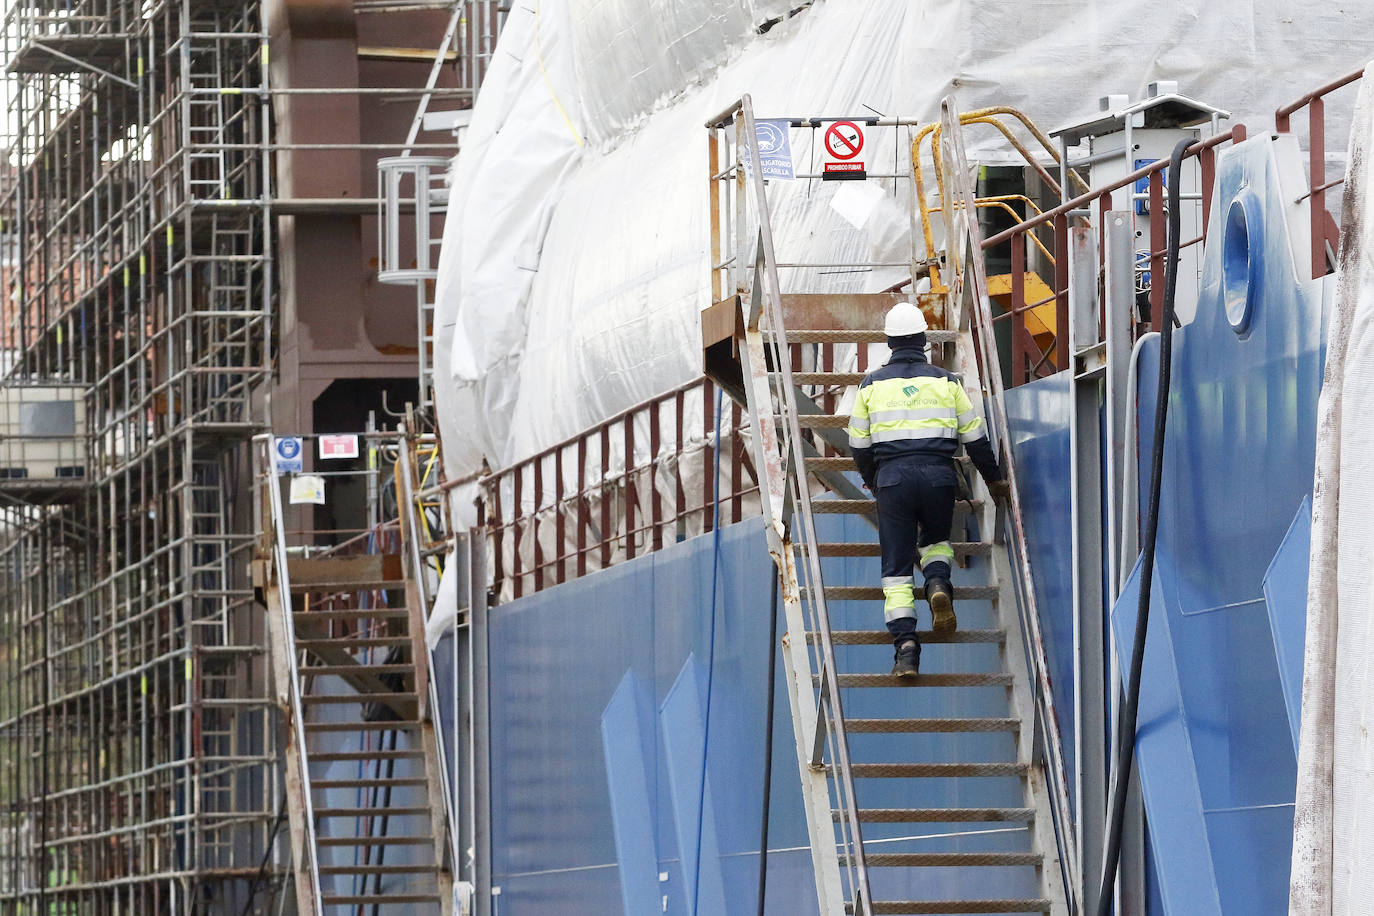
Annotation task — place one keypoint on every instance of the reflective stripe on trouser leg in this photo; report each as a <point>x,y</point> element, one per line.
<point>936,559</point>
<point>899,597</point>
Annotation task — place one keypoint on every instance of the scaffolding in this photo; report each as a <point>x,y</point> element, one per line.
<point>137,737</point>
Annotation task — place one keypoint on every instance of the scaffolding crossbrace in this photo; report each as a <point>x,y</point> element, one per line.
<point>137,738</point>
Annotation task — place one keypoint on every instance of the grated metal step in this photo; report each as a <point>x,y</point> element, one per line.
<point>922,907</point>
<point>883,638</point>
<point>374,613</point>
<point>366,899</point>
<point>375,841</point>
<point>935,770</point>
<point>962,549</point>
<point>392,725</point>
<point>376,869</point>
<point>888,726</point>
<point>398,783</point>
<point>942,815</point>
<point>822,421</point>
<point>875,593</point>
<point>857,335</point>
<point>948,859</point>
<point>349,643</point>
<point>359,668</point>
<point>348,586</point>
<point>827,378</point>
<point>385,811</point>
<point>337,756</point>
<point>344,698</point>
<point>920,680</point>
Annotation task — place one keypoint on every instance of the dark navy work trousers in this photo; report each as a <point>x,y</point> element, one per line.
<point>915,499</point>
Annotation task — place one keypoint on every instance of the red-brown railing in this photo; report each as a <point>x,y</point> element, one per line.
<point>618,489</point>
<point>573,508</point>
<point>1325,233</point>
<point>1029,361</point>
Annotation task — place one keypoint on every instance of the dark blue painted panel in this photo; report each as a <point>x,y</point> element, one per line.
<point>686,723</point>
<point>1238,459</point>
<point>627,736</point>
<point>1039,415</point>
<point>557,659</point>
<point>1180,844</point>
<point>1285,595</point>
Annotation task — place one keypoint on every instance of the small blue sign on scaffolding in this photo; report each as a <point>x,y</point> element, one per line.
<point>774,142</point>
<point>287,454</point>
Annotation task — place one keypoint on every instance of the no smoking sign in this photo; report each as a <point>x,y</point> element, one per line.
<point>844,140</point>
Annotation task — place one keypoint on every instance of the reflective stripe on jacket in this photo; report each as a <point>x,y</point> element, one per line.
<point>911,408</point>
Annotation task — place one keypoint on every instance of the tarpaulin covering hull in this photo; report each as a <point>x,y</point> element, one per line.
<point>575,256</point>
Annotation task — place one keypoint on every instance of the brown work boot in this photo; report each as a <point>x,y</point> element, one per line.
<point>907,660</point>
<point>941,598</point>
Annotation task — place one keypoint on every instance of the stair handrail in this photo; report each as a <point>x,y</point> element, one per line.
<point>415,555</point>
<point>981,328</point>
<point>283,575</point>
<point>783,466</point>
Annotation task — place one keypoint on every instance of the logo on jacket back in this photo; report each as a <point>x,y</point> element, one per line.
<point>909,391</point>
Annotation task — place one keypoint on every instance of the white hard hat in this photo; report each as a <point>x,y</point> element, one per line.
<point>903,320</point>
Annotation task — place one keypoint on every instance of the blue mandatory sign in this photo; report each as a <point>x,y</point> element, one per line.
<point>288,451</point>
<point>775,150</point>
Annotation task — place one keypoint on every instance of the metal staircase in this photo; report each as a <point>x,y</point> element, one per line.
<point>363,772</point>
<point>918,792</point>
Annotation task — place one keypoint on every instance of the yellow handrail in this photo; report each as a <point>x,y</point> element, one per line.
<point>977,116</point>
<point>1000,202</point>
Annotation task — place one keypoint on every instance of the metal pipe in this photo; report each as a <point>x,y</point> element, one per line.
<point>1236,134</point>
<point>1121,770</point>
<point>1283,112</point>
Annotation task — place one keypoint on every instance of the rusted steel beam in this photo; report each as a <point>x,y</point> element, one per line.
<point>837,311</point>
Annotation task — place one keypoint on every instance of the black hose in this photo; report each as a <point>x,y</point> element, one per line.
<point>1126,731</point>
<point>768,745</point>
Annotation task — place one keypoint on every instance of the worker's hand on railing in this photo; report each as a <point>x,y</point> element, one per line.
<point>1000,490</point>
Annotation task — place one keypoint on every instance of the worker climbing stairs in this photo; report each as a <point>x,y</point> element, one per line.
<point>938,793</point>
<point>363,772</point>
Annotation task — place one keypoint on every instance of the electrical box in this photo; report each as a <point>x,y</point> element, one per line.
<point>1123,137</point>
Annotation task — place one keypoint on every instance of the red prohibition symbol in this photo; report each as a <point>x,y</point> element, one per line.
<point>844,139</point>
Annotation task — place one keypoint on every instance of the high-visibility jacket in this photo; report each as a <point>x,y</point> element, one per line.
<point>909,408</point>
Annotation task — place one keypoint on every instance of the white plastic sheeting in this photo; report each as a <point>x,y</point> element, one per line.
<point>446,602</point>
<point>1333,823</point>
<point>575,256</point>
